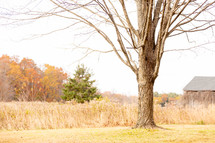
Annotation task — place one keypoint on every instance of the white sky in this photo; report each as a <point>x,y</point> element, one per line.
<point>177,68</point>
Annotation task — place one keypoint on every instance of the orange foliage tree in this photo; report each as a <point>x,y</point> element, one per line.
<point>25,81</point>
<point>32,75</point>
<point>52,82</point>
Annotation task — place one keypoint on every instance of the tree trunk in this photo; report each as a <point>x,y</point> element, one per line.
<point>147,64</point>
<point>145,104</point>
<point>146,79</point>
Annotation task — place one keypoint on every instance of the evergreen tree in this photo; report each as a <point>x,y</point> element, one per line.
<point>80,88</point>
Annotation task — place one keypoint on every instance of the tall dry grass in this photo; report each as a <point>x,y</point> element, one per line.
<point>43,115</point>
<point>180,115</point>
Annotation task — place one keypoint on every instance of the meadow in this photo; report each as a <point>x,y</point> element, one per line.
<point>172,134</point>
<point>96,114</point>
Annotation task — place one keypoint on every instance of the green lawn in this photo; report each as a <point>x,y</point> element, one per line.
<point>174,133</point>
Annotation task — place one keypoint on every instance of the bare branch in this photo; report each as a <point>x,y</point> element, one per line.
<point>196,29</point>
<point>165,25</point>
<point>157,13</point>
<point>119,38</point>
<point>179,13</point>
<point>127,18</point>
<point>88,49</point>
<point>188,49</point>
<point>51,32</point>
<point>189,19</point>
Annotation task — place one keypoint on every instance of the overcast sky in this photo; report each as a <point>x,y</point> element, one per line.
<point>177,68</point>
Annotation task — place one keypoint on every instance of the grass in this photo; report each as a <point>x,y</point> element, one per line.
<point>173,134</point>
<point>96,114</point>
<point>43,115</point>
<point>101,121</point>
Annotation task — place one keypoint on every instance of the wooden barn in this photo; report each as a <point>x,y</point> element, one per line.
<point>199,91</point>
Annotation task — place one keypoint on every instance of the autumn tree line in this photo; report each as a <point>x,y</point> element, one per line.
<point>23,80</point>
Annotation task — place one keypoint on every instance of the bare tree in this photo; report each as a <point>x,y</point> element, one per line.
<point>141,28</point>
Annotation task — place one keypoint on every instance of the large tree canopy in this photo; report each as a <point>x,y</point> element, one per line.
<point>136,30</point>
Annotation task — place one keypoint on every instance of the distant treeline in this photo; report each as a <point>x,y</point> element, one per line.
<point>161,99</point>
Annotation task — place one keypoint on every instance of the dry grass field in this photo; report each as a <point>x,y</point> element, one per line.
<point>101,121</point>
<point>172,134</point>
<point>96,114</point>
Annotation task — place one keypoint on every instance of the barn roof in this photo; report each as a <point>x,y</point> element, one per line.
<point>200,83</point>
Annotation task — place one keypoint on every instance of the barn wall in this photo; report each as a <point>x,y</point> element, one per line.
<point>195,98</point>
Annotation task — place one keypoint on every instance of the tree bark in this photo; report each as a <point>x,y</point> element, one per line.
<point>145,105</point>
